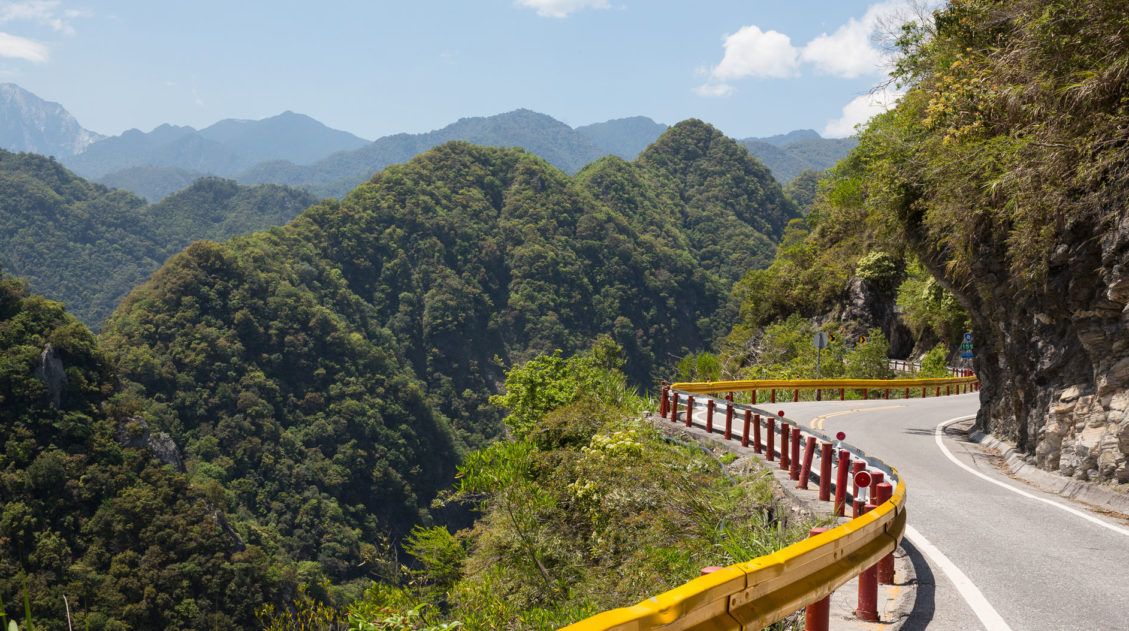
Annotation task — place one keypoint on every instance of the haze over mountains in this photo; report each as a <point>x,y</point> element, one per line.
<point>296,150</point>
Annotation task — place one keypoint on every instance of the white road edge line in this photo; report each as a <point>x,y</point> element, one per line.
<point>939,434</point>
<point>984,610</point>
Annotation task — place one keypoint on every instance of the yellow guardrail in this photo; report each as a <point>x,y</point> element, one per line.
<point>756,593</point>
<point>811,384</point>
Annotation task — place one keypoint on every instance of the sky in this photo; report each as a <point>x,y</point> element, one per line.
<point>750,67</point>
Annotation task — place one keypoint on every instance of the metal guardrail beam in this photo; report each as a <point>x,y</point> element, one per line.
<point>756,593</point>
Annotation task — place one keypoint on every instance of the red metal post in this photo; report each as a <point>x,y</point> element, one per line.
<point>805,469</point>
<point>709,415</point>
<point>842,394</point>
<point>817,616</point>
<point>785,456</point>
<point>757,447</point>
<point>907,394</point>
<point>729,421</point>
<point>674,407</point>
<point>773,395</point>
<point>745,434</point>
<point>856,508</point>
<point>729,397</point>
<point>876,478</point>
<point>841,481</point>
<point>886,564</point>
<point>924,392</point>
<point>866,394</point>
<point>886,394</point>
<point>938,392</point>
<point>868,589</point>
<point>824,472</point>
<point>794,470</point>
<point>663,403</point>
<point>753,397</point>
<point>795,395</point>
<point>948,390</point>
<point>770,436</point>
<point>689,410</point>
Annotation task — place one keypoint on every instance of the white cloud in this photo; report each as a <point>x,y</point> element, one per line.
<point>860,109</point>
<point>561,8</point>
<point>751,52</point>
<point>714,90</point>
<point>852,50</point>
<point>16,47</point>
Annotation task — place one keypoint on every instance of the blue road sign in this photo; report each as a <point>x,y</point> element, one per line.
<point>966,355</point>
<point>968,336</point>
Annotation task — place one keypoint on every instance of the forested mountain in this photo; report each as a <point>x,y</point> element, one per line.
<point>623,137</point>
<point>87,245</point>
<point>450,268</point>
<point>28,123</point>
<point>88,510</point>
<point>224,148</point>
<point>788,155</point>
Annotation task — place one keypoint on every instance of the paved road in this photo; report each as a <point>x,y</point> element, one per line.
<point>1038,567</point>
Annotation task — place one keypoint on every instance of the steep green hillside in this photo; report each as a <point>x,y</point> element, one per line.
<point>461,259</point>
<point>87,510</point>
<point>87,245</point>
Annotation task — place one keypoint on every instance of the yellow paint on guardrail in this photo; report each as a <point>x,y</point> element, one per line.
<point>756,593</point>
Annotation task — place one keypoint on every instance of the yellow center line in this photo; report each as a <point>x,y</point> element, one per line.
<point>820,422</point>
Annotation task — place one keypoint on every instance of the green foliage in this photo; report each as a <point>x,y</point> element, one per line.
<point>879,268</point>
<point>88,515</point>
<point>935,363</point>
<point>928,309</point>
<point>869,360</point>
<point>803,189</point>
<point>87,245</point>
<point>703,366</point>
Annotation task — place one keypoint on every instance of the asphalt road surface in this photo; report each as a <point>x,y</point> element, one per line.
<point>986,557</point>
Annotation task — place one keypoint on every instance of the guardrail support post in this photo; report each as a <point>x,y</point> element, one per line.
<point>785,457</point>
<point>729,421</point>
<point>866,394</point>
<point>773,395</point>
<point>876,478</point>
<point>886,564</point>
<point>745,434</point>
<point>753,397</point>
<point>886,394</point>
<point>805,470</point>
<point>689,410</point>
<point>709,415</point>
<point>770,436</point>
<point>868,588</point>
<point>757,446</point>
<point>841,481</point>
<point>794,471</point>
<point>842,394</point>
<point>795,395</point>
<point>938,392</point>
<point>948,390</point>
<point>674,407</point>
<point>824,472</point>
<point>663,403</point>
<point>817,616</point>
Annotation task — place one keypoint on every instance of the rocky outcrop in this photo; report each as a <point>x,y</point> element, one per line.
<point>870,306</point>
<point>52,374</point>
<point>134,433</point>
<point>1054,358</point>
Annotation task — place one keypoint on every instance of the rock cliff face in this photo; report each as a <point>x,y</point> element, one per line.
<point>868,306</point>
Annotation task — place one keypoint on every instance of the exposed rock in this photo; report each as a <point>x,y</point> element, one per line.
<point>868,306</point>
<point>134,433</point>
<point>52,374</point>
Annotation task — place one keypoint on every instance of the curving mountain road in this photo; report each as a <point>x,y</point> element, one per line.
<point>986,556</point>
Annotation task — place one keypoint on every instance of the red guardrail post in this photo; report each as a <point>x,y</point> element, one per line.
<point>886,564</point>
<point>817,616</point>
<point>753,397</point>
<point>674,407</point>
<point>773,395</point>
<point>770,436</point>
<point>729,397</point>
<point>868,588</point>
<point>886,394</point>
<point>948,390</point>
<point>866,394</point>
<point>745,434</point>
<point>757,446</point>
<point>805,470</point>
<point>795,395</point>
<point>841,481</point>
<point>842,394</point>
<point>729,421</point>
<point>689,410</point>
<point>663,403</point>
<point>794,470</point>
<point>938,392</point>
<point>785,455</point>
<point>824,471</point>
<point>906,394</point>
<point>876,478</point>
<point>709,415</point>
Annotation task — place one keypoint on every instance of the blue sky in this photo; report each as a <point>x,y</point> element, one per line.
<point>751,67</point>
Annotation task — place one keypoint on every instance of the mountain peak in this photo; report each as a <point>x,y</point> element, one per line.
<point>29,123</point>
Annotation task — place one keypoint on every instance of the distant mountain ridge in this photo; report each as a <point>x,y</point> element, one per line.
<point>29,123</point>
<point>788,155</point>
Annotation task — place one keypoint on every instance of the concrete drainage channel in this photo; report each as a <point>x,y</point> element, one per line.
<point>775,442</point>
